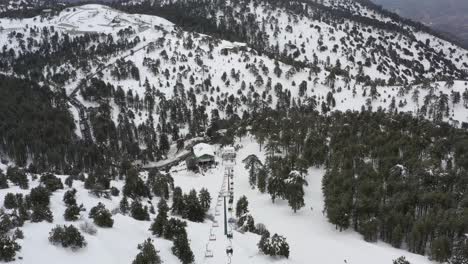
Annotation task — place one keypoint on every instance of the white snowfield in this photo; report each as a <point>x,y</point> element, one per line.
<point>311,238</point>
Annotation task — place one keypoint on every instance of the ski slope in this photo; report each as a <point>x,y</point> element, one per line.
<point>310,236</point>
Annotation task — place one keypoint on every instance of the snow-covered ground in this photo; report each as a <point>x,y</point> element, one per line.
<point>310,236</point>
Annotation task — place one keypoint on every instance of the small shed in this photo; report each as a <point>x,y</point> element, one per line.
<point>203,154</point>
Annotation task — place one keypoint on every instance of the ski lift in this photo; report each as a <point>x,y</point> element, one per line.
<point>212,236</point>
<point>230,208</point>
<point>215,224</point>
<point>229,251</point>
<point>230,235</point>
<point>217,212</point>
<point>208,252</point>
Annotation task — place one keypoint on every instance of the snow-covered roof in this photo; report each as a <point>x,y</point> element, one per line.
<point>229,150</point>
<point>202,149</point>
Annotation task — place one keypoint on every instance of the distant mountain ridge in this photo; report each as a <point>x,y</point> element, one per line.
<point>448,16</point>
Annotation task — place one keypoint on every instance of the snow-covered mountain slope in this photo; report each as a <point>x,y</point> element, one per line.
<point>171,60</point>
<point>310,236</point>
<point>138,85</point>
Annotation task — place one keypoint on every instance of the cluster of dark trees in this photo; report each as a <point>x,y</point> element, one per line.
<point>172,229</point>
<point>45,50</point>
<point>36,125</point>
<point>390,176</point>
<point>32,207</point>
<point>67,237</point>
<point>192,206</point>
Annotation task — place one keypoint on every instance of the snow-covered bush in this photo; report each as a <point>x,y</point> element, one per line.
<point>41,213</point>
<point>72,213</point>
<point>102,217</point>
<point>51,182</point>
<point>67,236</point>
<point>8,248</point>
<point>18,177</point>
<point>18,234</point>
<point>401,260</point>
<point>246,223</point>
<point>69,197</point>
<point>274,246</point>
<point>88,228</point>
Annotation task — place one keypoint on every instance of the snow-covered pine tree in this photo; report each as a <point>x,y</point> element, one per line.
<point>177,201</point>
<point>101,216</point>
<point>158,226</point>
<point>205,199</point>
<point>253,164</point>
<point>138,211</point>
<point>295,191</point>
<point>242,206</point>
<point>147,254</point>
<point>124,206</point>
<point>246,223</point>
<point>8,248</point>
<point>181,249</point>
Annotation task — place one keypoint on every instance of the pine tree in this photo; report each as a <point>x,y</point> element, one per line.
<point>173,228</point>
<point>242,206</point>
<point>139,212</point>
<point>124,206</point>
<point>3,181</point>
<point>72,213</point>
<point>205,199</point>
<point>18,177</point>
<point>39,196</point>
<point>101,216</point>
<point>10,201</point>
<point>295,191</point>
<point>262,180</point>
<point>252,177</point>
<point>401,260</point>
<point>147,254</point>
<point>157,228</point>
<point>67,236</point>
<point>193,209</point>
<point>246,223</point>
<point>51,182</point>
<point>8,248</point>
<point>274,246</point>
<point>181,249</point>
<point>276,187</point>
<point>253,164</point>
<point>134,186</point>
<point>69,197</point>
<point>178,206</point>
<point>41,213</point>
